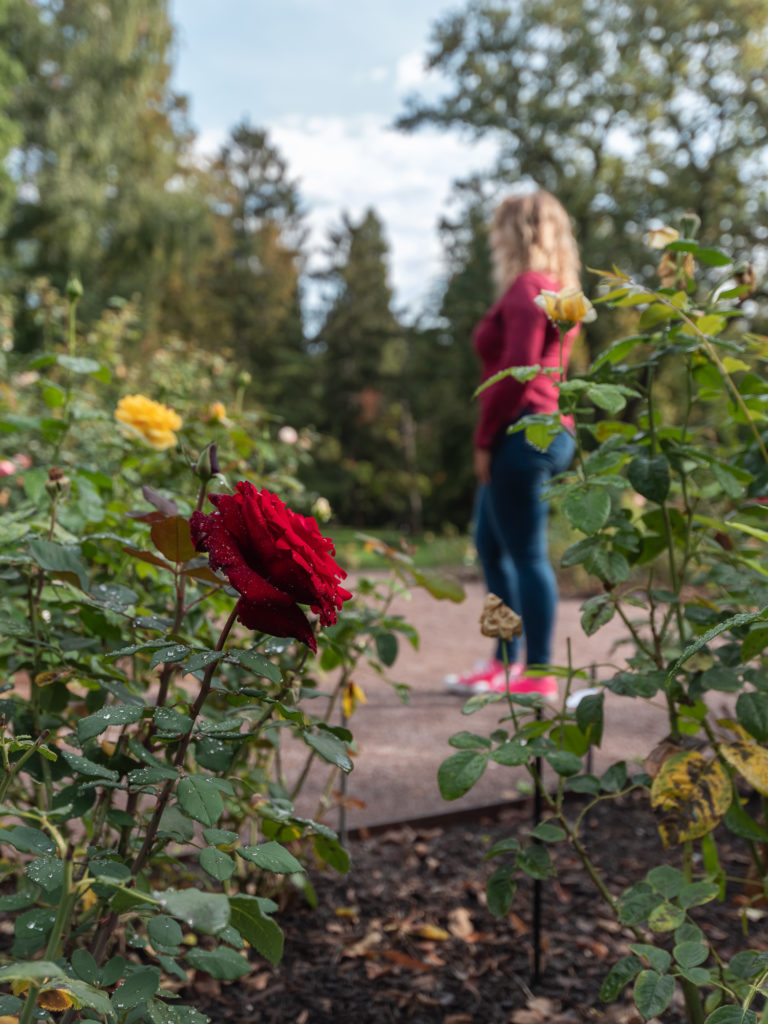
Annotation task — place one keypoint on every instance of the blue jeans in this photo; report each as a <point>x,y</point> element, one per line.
<point>512,542</point>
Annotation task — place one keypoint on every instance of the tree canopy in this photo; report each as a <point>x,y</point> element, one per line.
<point>625,111</point>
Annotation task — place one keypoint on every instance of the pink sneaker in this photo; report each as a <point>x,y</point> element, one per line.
<point>474,681</point>
<point>545,686</point>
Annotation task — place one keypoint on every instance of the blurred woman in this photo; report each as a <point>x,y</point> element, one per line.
<point>533,250</point>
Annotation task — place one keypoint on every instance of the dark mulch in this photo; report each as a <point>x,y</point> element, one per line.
<point>406,935</point>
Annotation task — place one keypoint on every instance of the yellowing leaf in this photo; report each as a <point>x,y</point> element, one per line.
<point>56,999</point>
<point>693,793</point>
<point>751,762</point>
<point>352,696</point>
<point>432,931</point>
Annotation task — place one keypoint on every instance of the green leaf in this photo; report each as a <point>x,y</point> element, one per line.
<point>563,762</point>
<point>47,872</point>
<point>500,890</point>
<point>222,963</point>
<point>206,912</point>
<point>440,586</point>
<point>84,966</point>
<point>659,959</point>
<point>468,741</point>
<point>589,716</point>
<point>619,976</point>
<point>611,397</point>
<point>742,824</point>
<point>140,985</point>
<point>649,475</point>
<point>78,364</point>
<point>256,927</point>
<point>713,257</point>
<point>458,774</point>
<point>331,749</point>
<point>258,664</point>
<point>732,1015</point>
<point>511,753</point>
<point>217,864</point>
<point>596,612</point>
<point>734,622</point>
<point>752,713</point>
<point>332,852</point>
<point>696,894</point>
<point>83,766</point>
<point>168,654</point>
<point>536,862</point>
<point>667,881</point>
<point>386,648</point>
<point>271,857</point>
<point>587,508</point>
<point>28,840</point>
<point>60,560</point>
<point>548,833</point>
<point>200,799</point>
<point>164,931</point>
<point>653,993</point>
<point>690,954</point>
<point>169,721</point>
<point>112,714</point>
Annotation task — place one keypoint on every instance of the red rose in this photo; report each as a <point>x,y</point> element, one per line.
<point>276,558</point>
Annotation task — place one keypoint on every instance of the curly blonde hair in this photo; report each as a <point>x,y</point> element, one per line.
<point>532,231</point>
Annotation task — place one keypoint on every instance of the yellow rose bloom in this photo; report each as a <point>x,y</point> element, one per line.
<point>153,422</point>
<point>569,305</point>
<point>660,238</point>
<point>217,412</point>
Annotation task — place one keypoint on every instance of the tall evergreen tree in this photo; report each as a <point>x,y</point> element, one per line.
<point>250,285</point>
<point>361,403</point>
<point>101,159</point>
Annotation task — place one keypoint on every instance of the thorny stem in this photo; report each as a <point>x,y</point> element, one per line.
<point>105,929</point>
<point>180,610</point>
<point>14,769</point>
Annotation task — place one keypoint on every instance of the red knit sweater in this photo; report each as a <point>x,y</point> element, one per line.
<point>516,332</point>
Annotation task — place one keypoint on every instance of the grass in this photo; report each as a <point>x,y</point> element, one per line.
<point>428,550</point>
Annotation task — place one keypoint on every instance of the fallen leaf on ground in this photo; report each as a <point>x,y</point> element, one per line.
<point>404,960</point>
<point>460,923</point>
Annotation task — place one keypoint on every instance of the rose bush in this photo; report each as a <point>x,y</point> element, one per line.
<point>275,558</point>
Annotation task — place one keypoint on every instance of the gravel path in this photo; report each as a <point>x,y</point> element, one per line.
<point>402,746</point>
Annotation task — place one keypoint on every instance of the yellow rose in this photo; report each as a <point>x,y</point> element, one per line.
<point>660,238</point>
<point>569,305</point>
<point>153,422</point>
<point>217,412</point>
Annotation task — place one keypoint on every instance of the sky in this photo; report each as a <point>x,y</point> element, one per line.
<point>327,79</point>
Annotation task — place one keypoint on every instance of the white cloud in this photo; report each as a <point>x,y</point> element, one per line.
<point>410,71</point>
<point>350,164</point>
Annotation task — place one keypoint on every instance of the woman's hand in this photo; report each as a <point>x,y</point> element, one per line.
<point>483,465</point>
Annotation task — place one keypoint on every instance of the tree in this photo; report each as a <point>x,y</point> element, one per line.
<point>361,404</point>
<point>444,362</point>
<point>101,162</point>
<point>10,75</point>
<point>248,296</point>
<point>626,111</point>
